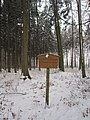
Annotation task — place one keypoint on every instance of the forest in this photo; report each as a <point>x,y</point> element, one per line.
<point>32,31</point>
<point>32,27</point>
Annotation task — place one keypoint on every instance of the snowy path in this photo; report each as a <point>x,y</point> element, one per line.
<point>25,100</point>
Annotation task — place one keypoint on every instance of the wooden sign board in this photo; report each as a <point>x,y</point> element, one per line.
<point>48,61</point>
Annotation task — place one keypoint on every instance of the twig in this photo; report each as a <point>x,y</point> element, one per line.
<point>12,93</point>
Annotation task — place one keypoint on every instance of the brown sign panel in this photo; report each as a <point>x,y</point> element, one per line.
<point>48,61</point>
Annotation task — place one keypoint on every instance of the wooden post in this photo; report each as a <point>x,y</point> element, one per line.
<point>47,86</point>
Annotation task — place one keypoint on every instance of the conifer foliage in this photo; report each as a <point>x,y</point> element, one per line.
<point>32,27</point>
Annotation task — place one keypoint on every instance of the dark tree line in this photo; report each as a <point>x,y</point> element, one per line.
<point>26,32</point>
<point>11,19</point>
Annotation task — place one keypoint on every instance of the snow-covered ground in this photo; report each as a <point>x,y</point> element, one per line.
<point>25,100</point>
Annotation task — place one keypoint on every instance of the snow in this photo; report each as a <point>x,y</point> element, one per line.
<point>25,100</point>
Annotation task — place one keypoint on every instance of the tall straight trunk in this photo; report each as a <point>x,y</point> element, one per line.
<point>12,51</point>
<point>0,34</point>
<point>82,61</point>
<point>9,39</point>
<point>79,21</point>
<point>25,17</point>
<point>58,34</point>
<point>8,51</point>
<point>15,53</point>
<point>66,58</point>
<point>0,59</point>
<point>29,36</point>
<point>8,56</point>
<point>5,60</point>
<point>75,58</point>
<point>72,42</point>
<point>30,55</point>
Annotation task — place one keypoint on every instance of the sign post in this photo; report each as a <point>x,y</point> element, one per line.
<point>48,61</point>
<point>47,86</point>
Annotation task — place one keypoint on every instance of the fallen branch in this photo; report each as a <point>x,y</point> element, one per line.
<point>12,93</point>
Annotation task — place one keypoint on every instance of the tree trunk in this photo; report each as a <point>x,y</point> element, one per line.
<point>58,34</point>
<point>75,58</point>
<point>72,42</point>
<point>5,59</point>
<point>25,29</point>
<point>0,34</point>
<point>29,42</point>
<point>15,53</point>
<point>8,51</point>
<point>0,58</point>
<point>66,58</point>
<point>81,59</point>
<point>9,39</point>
